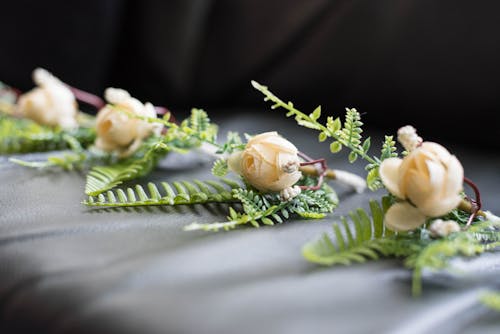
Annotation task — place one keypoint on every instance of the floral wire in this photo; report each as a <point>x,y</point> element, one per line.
<point>87,97</point>
<point>476,203</point>
<point>99,103</point>
<point>321,171</point>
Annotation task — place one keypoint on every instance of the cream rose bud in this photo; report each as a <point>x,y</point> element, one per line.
<point>119,132</point>
<point>429,177</point>
<point>51,103</point>
<point>269,162</point>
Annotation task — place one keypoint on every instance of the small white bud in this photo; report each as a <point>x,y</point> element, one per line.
<point>443,228</point>
<point>290,192</point>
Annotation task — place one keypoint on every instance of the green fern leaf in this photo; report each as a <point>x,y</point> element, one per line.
<point>220,168</point>
<point>364,241</point>
<point>176,193</point>
<point>198,124</point>
<point>102,178</point>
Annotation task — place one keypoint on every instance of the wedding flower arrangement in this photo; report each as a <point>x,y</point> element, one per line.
<point>425,217</point>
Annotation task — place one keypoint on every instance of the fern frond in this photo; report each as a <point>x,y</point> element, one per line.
<point>102,178</point>
<point>388,148</point>
<point>365,240</point>
<point>220,168</point>
<point>198,124</point>
<point>175,193</point>
<point>269,209</point>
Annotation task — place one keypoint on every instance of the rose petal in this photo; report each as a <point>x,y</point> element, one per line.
<point>261,137</point>
<point>438,150</point>
<point>454,177</point>
<point>280,143</point>
<point>286,180</point>
<point>438,206</point>
<point>389,173</point>
<point>403,217</point>
<point>423,186</point>
<point>234,162</point>
<point>264,152</point>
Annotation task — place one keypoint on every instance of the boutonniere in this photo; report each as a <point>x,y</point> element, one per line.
<point>44,119</point>
<point>276,181</point>
<point>124,141</point>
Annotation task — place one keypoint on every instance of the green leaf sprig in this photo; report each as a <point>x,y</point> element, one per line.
<point>346,135</point>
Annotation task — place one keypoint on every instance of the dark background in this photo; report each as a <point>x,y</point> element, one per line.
<point>434,64</point>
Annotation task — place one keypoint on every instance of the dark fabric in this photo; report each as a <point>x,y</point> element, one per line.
<point>422,62</point>
<point>65,268</point>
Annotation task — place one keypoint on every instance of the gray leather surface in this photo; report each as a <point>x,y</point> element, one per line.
<point>67,268</point>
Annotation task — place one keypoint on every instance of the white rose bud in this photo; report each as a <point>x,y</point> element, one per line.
<point>429,177</point>
<point>269,162</point>
<point>119,132</point>
<point>443,228</point>
<point>51,103</point>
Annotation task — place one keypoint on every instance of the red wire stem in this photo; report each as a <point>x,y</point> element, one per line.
<point>476,203</point>
<point>321,170</point>
<point>87,97</point>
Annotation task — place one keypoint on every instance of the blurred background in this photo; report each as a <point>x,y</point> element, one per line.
<point>433,64</point>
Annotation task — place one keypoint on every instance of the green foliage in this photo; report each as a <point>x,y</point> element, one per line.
<point>349,135</point>
<point>257,208</point>
<point>366,239</point>
<point>342,135</point>
<point>196,127</point>
<point>102,178</point>
<point>175,193</point>
<point>373,180</point>
<point>435,254</point>
<point>25,136</point>
<point>220,168</point>
<point>233,143</point>
<point>491,300</point>
<point>269,209</point>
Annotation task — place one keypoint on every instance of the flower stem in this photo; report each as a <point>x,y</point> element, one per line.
<point>475,205</point>
<point>350,179</point>
<point>319,171</point>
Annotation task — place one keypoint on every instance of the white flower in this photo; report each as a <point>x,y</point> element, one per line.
<point>429,177</point>
<point>51,103</point>
<point>443,228</point>
<point>269,162</point>
<point>119,132</point>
